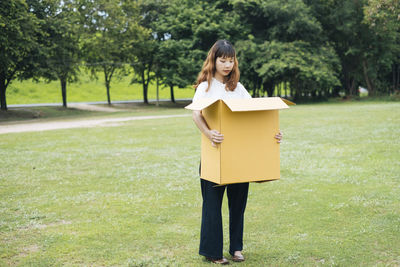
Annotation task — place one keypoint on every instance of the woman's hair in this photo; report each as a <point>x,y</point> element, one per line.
<point>221,48</point>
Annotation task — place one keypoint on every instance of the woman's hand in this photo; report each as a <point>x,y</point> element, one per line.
<point>215,137</point>
<point>279,137</point>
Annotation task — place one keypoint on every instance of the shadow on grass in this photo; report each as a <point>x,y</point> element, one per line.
<point>21,114</point>
<point>49,112</point>
<point>151,105</point>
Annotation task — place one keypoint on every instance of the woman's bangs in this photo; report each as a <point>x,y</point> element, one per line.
<point>225,51</point>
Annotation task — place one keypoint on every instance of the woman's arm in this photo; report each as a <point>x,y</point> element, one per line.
<point>214,136</point>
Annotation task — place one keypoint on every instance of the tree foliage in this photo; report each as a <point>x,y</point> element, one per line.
<point>366,54</point>
<point>64,53</point>
<point>19,47</point>
<point>186,30</point>
<point>285,45</point>
<point>106,39</point>
<point>314,47</point>
<point>383,19</point>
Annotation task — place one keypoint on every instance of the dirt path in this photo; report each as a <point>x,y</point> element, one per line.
<point>55,125</point>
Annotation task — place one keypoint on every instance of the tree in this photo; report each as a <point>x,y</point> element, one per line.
<point>142,46</point>
<point>383,18</point>
<point>62,43</point>
<point>308,69</point>
<point>106,39</point>
<point>247,52</point>
<point>174,64</point>
<point>366,52</point>
<point>142,49</point>
<point>285,44</point>
<point>19,31</point>
<point>185,32</point>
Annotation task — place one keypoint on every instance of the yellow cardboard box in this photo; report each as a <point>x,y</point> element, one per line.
<point>249,152</point>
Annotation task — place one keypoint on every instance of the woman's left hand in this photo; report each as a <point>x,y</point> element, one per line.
<point>279,137</point>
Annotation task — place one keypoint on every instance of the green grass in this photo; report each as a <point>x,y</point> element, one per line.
<point>85,90</point>
<point>130,195</point>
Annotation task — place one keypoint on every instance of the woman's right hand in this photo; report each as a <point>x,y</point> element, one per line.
<point>215,137</point>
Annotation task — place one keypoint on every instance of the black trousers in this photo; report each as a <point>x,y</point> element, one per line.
<point>211,236</point>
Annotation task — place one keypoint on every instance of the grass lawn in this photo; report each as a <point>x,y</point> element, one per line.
<point>85,90</point>
<point>129,195</point>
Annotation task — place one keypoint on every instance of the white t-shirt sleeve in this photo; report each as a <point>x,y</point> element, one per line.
<point>243,92</point>
<point>200,91</point>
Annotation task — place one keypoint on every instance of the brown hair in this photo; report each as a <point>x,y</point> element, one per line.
<point>221,48</point>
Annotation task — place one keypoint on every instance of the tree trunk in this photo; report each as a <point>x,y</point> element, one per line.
<point>285,86</point>
<point>297,94</point>
<point>108,92</point>
<point>3,88</point>
<point>398,77</point>
<point>335,91</point>
<point>370,85</point>
<point>64,91</point>
<point>172,93</point>
<point>269,87</point>
<point>314,93</point>
<point>271,90</point>
<point>145,100</point>
<point>280,85</point>
<point>291,91</point>
<point>395,77</point>
<point>353,89</point>
<point>346,84</point>
<point>157,93</point>
<point>107,81</point>
<point>345,81</point>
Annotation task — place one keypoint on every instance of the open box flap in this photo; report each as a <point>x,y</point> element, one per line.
<point>250,104</point>
<point>201,103</point>
<point>253,104</point>
<point>288,102</point>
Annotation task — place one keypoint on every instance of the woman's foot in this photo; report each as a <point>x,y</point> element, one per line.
<point>238,256</point>
<point>223,260</point>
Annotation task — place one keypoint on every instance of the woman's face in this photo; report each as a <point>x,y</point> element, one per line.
<point>224,66</point>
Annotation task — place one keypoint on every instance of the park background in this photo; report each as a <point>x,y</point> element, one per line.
<point>301,49</point>
<point>127,193</point>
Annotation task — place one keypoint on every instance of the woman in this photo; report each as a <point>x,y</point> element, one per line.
<point>219,78</point>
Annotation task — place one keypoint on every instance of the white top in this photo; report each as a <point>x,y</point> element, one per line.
<point>217,91</point>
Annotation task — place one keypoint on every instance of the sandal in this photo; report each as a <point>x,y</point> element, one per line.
<point>238,258</point>
<point>223,260</point>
